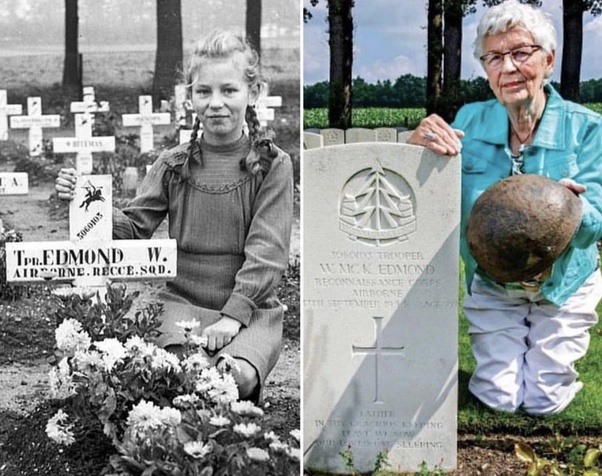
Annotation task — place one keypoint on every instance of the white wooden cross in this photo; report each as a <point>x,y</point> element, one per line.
<point>146,119</point>
<point>264,108</point>
<point>89,105</point>
<point>35,122</point>
<point>5,111</point>
<point>91,258</point>
<point>83,144</point>
<point>14,183</point>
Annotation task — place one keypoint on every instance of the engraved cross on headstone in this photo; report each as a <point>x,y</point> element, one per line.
<point>377,350</point>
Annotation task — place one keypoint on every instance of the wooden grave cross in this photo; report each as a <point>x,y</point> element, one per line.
<point>265,108</point>
<point>83,144</point>
<point>14,183</point>
<point>91,258</point>
<point>5,111</point>
<point>35,122</point>
<point>146,119</point>
<point>89,104</point>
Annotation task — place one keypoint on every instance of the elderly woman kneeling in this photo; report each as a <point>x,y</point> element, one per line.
<point>526,339</point>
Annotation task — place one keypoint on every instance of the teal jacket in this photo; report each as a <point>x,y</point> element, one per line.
<point>567,144</point>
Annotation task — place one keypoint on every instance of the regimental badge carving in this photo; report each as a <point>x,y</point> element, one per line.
<point>377,207</point>
<point>93,194</point>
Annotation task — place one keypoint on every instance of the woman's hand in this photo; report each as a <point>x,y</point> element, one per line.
<point>221,333</point>
<point>436,134</point>
<point>573,186</point>
<point>65,183</point>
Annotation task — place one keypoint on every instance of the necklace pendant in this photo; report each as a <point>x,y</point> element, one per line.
<point>521,149</point>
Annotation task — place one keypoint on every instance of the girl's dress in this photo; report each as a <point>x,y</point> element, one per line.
<point>233,233</point>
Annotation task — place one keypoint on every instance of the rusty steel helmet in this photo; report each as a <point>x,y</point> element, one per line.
<point>518,227</point>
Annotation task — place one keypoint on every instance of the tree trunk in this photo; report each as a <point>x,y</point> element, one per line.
<point>572,24</point>
<point>168,60</point>
<point>72,67</point>
<point>452,59</point>
<point>340,21</point>
<point>253,24</point>
<point>434,55</point>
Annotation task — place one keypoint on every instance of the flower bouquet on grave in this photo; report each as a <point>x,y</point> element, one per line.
<point>165,414</point>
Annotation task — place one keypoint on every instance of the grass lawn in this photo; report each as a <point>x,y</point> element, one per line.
<point>582,416</point>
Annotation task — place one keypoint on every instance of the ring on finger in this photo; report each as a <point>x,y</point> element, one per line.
<point>429,136</point>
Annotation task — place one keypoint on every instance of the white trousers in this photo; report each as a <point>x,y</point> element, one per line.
<point>525,347</point>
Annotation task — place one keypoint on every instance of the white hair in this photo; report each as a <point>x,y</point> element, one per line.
<point>507,15</point>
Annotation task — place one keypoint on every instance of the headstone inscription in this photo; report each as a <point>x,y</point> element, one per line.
<point>83,144</point>
<point>14,183</point>
<point>91,258</point>
<point>5,111</point>
<point>146,119</point>
<point>380,280</point>
<point>386,134</point>
<point>35,122</point>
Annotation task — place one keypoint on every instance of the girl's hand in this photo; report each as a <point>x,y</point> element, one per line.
<point>221,333</point>
<point>65,183</point>
<point>573,186</point>
<point>436,134</point>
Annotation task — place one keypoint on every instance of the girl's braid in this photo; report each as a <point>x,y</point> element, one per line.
<point>263,152</point>
<point>193,145</point>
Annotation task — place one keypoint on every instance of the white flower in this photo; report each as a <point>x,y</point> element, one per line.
<point>279,447</point>
<point>112,351</point>
<point>58,431</point>
<point>144,416</point>
<point>199,341</point>
<point>71,337</point>
<point>188,325</point>
<point>183,400</point>
<point>296,434</point>
<point>230,363</point>
<point>163,360</point>
<point>87,360</point>
<point>197,449</point>
<point>271,436</point>
<point>170,416</point>
<point>60,380</point>
<point>219,388</point>
<point>136,345</point>
<point>246,430</point>
<point>246,408</point>
<point>294,453</point>
<point>257,454</point>
<point>196,362</point>
<point>219,420</point>
<point>224,391</point>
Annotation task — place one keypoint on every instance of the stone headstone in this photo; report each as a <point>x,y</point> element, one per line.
<point>146,119</point>
<point>386,134</point>
<point>359,134</point>
<point>380,307</point>
<point>333,136</point>
<point>312,141</point>
<point>5,111</point>
<point>403,136</point>
<point>35,122</point>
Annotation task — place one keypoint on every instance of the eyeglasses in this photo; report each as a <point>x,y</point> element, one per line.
<point>519,55</point>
